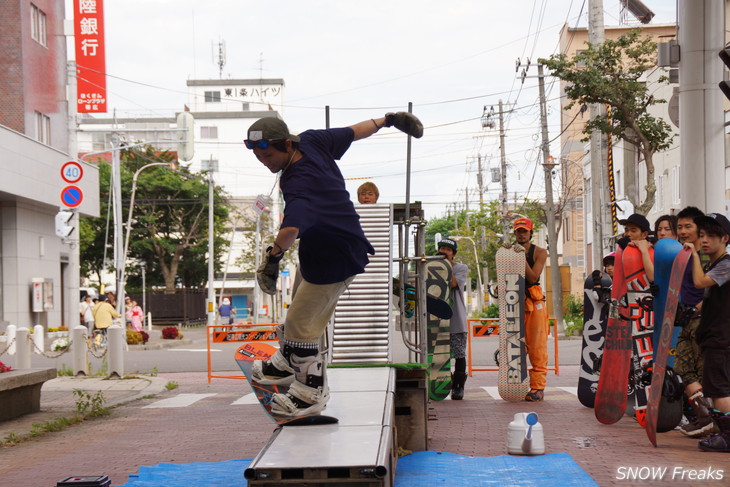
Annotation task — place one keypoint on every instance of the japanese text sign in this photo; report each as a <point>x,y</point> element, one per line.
<point>90,56</point>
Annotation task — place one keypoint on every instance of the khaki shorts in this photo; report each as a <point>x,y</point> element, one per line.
<point>688,356</point>
<point>311,310</point>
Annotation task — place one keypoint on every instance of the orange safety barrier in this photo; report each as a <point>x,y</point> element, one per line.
<point>242,332</point>
<point>484,327</point>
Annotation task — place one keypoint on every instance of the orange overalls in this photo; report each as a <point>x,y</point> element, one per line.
<point>536,331</point>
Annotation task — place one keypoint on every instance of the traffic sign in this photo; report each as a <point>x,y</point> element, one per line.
<point>72,196</point>
<point>72,172</point>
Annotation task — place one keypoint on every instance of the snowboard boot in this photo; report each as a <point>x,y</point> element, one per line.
<point>309,392</point>
<point>457,385</point>
<point>719,442</point>
<point>703,424</point>
<point>275,370</point>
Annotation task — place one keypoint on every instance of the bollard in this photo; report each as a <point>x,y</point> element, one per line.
<point>79,350</point>
<point>22,340</point>
<point>116,336</point>
<point>39,336</point>
<point>11,332</point>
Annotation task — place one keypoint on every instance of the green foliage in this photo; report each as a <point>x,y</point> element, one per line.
<point>65,371</point>
<point>90,405</point>
<point>573,312</point>
<point>169,232</point>
<point>491,311</point>
<point>58,424</point>
<point>611,74</point>
<point>171,385</point>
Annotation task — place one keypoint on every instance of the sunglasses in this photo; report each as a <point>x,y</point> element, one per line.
<point>261,144</point>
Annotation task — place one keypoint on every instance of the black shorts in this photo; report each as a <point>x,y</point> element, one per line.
<point>716,373</point>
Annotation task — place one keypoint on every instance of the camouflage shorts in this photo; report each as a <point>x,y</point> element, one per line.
<point>688,357</point>
<point>458,345</point>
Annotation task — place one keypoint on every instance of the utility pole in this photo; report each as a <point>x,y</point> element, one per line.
<point>503,159</point>
<point>548,165</point>
<point>480,181</point>
<point>118,236</point>
<point>211,248</point>
<point>596,36</point>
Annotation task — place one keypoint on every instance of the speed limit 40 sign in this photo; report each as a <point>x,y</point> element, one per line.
<point>72,172</point>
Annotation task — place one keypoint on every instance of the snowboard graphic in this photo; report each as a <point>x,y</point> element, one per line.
<point>665,251</point>
<point>438,333</point>
<point>245,356</point>
<point>613,380</point>
<point>661,409</point>
<point>512,379</point>
<point>434,305</point>
<point>597,296</point>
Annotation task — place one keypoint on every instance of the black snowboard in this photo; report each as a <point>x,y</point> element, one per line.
<point>596,296</point>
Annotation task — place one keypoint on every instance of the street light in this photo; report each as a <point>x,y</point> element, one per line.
<point>480,297</point>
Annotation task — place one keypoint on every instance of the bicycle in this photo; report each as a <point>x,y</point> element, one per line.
<point>97,341</point>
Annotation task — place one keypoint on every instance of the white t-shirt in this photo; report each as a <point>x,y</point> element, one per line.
<point>87,310</point>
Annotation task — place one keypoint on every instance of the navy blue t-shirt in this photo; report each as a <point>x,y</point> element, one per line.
<point>332,245</point>
<point>688,293</point>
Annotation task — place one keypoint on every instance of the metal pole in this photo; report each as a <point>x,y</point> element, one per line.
<point>211,252</point>
<point>596,36</point>
<point>118,237</point>
<point>257,263</point>
<point>548,165</point>
<point>503,159</point>
<point>74,264</point>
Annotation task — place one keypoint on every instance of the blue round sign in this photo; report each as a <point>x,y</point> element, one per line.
<point>72,196</point>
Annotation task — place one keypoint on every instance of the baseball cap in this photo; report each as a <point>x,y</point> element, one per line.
<point>525,223</point>
<point>716,218</point>
<point>270,128</point>
<point>638,220</point>
<point>447,242</point>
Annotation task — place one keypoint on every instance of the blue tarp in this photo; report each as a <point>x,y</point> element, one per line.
<point>420,469</point>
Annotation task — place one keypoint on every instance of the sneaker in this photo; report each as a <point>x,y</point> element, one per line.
<point>309,392</point>
<point>701,426</point>
<point>275,371</point>
<point>535,395</point>
<point>719,442</point>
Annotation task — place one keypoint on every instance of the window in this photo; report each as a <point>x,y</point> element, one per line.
<point>37,25</point>
<point>212,97</point>
<point>619,187</point>
<point>208,132</point>
<point>659,202</point>
<point>674,182</point>
<point>209,165</point>
<point>43,128</point>
<point>246,106</point>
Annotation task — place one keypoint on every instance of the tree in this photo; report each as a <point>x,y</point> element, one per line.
<point>169,232</point>
<point>609,74</point>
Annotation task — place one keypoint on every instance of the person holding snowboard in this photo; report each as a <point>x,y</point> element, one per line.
<point>688,358</point>
<point>458,330</point>
<point>536,324</point>
<point>332,247</point>
<point>713,333</point>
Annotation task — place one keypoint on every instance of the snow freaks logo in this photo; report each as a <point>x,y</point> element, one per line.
<point>669,473</point>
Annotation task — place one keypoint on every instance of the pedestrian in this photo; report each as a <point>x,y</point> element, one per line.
<point>636,228</point>
<point>86,309</point>
<point>104,314</point>
<point>458,326</point>
<point>713,333</point>
<point>666,227</point>
<point>536,324</point>
<point>225,311</point>
<point>332,247</point>
<point>688,357</point>
<point>127,309</point>
<point>111,298</point>
<point>368,194</point>
<point>135,316</point>
<point>608,263</point>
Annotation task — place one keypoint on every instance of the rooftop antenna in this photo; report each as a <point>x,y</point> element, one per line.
<point>220,59</point>
<point>640,12</point>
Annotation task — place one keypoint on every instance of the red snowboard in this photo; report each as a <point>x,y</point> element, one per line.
<point>613,381</point>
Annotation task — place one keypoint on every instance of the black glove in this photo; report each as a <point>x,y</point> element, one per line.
<point>405,122</point>
<point>268,272</point>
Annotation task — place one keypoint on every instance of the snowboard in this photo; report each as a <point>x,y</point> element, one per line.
<point>660,409</point>
<point>641,315</point>
<point>434,305</point>
<point>245,356</point>
<point>665,251</point>
<point>596,290</point>
<point>438,332</point>
<point>613,380</point>
<point>512,379</point>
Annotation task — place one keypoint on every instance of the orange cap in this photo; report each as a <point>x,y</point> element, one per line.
<point>525,223</point>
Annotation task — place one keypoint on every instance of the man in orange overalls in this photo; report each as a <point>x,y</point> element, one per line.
<point>536,325</point>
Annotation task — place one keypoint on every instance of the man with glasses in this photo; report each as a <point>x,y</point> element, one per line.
<point>332,247</point>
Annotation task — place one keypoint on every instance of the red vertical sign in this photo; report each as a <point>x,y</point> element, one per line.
<point>90,57</point>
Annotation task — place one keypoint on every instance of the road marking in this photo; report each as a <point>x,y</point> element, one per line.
<point>179,401</point>
<point>572,390</point>
<point>247,399</point>
<point>494,392</point>
<point>192,350</point>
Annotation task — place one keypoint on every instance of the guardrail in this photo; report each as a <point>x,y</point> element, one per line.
<point>485,327</point>
<point>242,332</point>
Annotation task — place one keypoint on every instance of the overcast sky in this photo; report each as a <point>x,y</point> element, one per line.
<point>363,59</point>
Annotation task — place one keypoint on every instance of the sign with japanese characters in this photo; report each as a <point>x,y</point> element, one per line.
<point>90,56</point>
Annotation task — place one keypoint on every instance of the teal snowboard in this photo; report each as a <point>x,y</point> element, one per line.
<point>438,284</point>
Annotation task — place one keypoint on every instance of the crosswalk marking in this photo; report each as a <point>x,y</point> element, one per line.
<point>179,401</point>
<point>247,399</point>
<point>572,390</point>
<point>494,392</point>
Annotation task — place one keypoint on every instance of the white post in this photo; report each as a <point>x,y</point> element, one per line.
<point>149,322</point>
<point>23,342</point>
<point>39,339</point>
<point>79,350</point>
<point>116,343</point>
<point>12,334</point>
